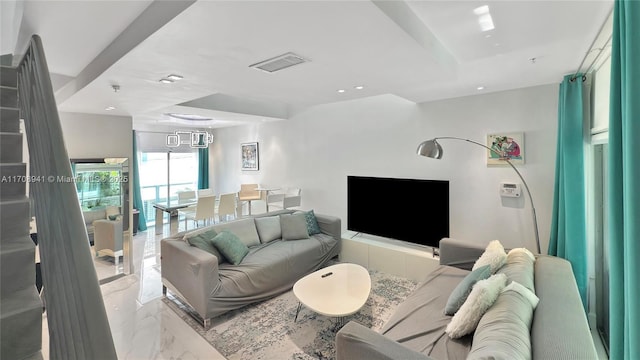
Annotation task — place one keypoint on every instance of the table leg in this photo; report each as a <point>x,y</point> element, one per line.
<point>249,202</point>
<point>173,224</point>
<point>297,311</point>
<point>159,214</point>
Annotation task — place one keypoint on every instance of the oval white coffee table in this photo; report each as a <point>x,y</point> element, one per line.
<point>336,291</point>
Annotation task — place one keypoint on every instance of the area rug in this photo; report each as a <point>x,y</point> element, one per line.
<point>266,330</point>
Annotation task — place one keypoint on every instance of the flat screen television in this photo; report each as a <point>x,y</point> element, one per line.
<point>411,210</point>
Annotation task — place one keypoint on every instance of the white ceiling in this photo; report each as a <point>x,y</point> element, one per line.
<point>418,50</point>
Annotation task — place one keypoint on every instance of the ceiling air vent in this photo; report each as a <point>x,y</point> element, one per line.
<point>279,62</point>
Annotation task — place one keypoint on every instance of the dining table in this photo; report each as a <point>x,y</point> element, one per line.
<point>170,208</point>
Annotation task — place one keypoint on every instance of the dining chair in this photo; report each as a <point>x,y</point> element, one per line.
<point>247,194</point>
<point>203,210</point>
<point>186,196</point>
<point>205,192</point>
<point>108,238</point>
<point>292,198</point>
<point>226,207</point>
<point>275,199</point>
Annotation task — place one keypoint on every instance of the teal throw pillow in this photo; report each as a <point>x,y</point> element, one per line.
<point>204,242</point>
<point>312,223</point>
<point>462,291</point>
<point>230,247</point>
<point>114,217</point>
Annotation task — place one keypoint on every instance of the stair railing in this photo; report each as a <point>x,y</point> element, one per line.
<point>77,319</point>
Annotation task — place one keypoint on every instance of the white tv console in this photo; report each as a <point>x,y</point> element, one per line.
<point>387,255</point>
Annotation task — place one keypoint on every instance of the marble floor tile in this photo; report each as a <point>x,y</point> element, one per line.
<point>142,326</point>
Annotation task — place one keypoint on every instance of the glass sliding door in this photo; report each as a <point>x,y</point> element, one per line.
<point>163,174</point>
<point>183,172</point>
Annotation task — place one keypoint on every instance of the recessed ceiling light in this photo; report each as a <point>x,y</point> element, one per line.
<point>341,90</point>
<point>481,10</point>
<point>359,87</point>
<point>109,108</point>
<point>174,77</point>
<point>480,88</point>
<point>166,81</point>
<point>484,18</point>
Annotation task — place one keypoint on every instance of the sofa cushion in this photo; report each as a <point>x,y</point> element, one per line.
<point>294,227</point>
<point>419,322</point>
<point>462,291</point>
<point>230,246</point>
<point>519,268</point>
<point>268,228</point>
<point>482,296</point>
<point>503,331</point>
<point>244,229</point>
<point>270,269</point>
<point>493,255</point>
<point>204,242</point>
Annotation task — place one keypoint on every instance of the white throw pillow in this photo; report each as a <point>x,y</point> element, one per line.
<point>482,296</point>
<point>522,290</point>
<point>494,256</point>
<point>523,251</point>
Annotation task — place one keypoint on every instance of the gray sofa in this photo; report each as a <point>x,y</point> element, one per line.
<point>269,269</point>
<point>416,330</point>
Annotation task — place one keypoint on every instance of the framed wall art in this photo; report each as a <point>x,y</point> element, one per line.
<point>507,146</point>
<point>250,156</point>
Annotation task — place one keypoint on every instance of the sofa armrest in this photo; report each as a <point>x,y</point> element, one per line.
<point>459,253</point>
<point>355,341</point>
<point>191,271</point>
<point>330,225</point>
<point>560,328</point>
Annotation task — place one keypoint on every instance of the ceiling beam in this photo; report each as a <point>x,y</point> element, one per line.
<point>154,17</point>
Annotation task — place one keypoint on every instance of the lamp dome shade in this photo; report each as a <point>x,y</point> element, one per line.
<point>430,148</point>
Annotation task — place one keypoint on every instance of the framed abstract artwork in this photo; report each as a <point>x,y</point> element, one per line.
<point>506,146</point>
<point>250,156</point>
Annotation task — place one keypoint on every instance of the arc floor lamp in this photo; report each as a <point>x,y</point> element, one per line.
<point>431,148</point>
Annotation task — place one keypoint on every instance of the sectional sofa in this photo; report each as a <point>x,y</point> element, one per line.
<point>277,258</point>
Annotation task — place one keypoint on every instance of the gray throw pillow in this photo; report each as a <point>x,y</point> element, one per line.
<point>503,332</point>
<point>462,291</point>
<point>294,227</point>
<point>519,268</point>
<point>268,228</point>
<point>204,242</point>
<point>230,247</point>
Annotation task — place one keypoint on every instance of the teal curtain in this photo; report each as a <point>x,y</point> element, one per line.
<point>624,183</point>
<point>203,168</point>
<point>568,227</point>
<point>137,194</point>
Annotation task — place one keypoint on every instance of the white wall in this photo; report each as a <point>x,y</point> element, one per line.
<point>317,148</point>
<point>100,136</point>
<point>97,136</point>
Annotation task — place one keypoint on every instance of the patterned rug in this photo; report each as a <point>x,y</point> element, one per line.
<point>266,330</point>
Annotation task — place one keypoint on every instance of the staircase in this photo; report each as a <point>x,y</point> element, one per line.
<point>20,305</point>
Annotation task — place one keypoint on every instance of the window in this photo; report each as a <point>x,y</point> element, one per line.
<point>163,174</point>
